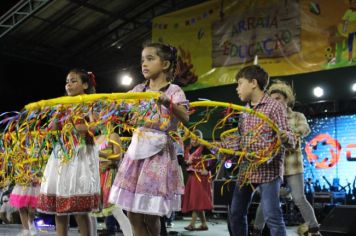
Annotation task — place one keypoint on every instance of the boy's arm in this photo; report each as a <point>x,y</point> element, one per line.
<point>279,116</point>
<point>231,142</point>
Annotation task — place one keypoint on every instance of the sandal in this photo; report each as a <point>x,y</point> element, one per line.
<point>202,228</point>
<point>190,228</point>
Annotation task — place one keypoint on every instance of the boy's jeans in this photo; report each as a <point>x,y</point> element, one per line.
<point>270,205</point>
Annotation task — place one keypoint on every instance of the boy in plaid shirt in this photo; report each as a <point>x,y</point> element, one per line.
<point>252,82</point>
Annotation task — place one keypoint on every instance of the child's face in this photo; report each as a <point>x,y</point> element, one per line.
<point>74,85</point>
<point>194,142</point>
<point>244,89</point>
<point>151,63</point>
<point>281,98</point>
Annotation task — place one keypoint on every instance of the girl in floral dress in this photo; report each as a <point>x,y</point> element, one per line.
<point>148,183</point>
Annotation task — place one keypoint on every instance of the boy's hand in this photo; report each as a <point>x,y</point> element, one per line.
<point>284,137</point>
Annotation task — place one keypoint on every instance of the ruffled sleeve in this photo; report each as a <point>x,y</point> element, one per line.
<point>177,95</point>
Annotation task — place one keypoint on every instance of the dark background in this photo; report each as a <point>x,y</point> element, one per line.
<point>29,75</point>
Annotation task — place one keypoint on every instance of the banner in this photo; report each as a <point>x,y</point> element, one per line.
<point>274,33</point>
<point>217,38</point>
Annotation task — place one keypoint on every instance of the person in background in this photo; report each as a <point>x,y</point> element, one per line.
<point>25,198</point>
<point>349,27</point>
<point>197,195</point>
<point>6,210</point>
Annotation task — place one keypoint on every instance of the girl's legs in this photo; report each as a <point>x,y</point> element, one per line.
<point>24,217</point>
<point>83,223</point>
<point>93,226</point>
<point>191,225</point>
<point>31,214</point>
<point>138,223</point>
<point>153,224</point>
<point>31,217</point>
<point>62,225</point>
<point>201,215</point>
<point>194,218</point>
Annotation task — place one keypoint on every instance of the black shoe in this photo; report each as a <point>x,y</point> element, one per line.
<point>106,233</point>
<point>313,232</point>
<point>173,233</point>
<point>256,232</point>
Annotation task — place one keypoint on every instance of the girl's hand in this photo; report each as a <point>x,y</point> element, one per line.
<point>204,172</point>
<point>104,166</point>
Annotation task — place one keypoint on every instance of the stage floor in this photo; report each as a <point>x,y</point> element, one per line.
<point>216,228</point>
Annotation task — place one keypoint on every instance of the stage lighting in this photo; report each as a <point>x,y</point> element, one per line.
<point>44,226</point>
<point>318,92</point>
<point>126,80</point>
<point>354,87</point>
<point>228,164</point>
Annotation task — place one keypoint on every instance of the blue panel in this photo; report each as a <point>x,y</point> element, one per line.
<point>343,129</point>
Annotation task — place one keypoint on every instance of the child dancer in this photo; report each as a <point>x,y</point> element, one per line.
<point>24,198</point>
<point>148,184</point>
<point>197,195</point>
<point>73,187</point>
<point>293,163</point>
<point>251,84</point>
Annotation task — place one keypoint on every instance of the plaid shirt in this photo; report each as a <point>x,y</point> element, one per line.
<point>255,135</point>
<point>293,163</point>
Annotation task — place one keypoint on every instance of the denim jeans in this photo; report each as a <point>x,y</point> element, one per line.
<point>111,224</point>
<point>296,185</point>
<point>270,205</point>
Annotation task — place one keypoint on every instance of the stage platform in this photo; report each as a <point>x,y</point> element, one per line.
<point>216,228</point>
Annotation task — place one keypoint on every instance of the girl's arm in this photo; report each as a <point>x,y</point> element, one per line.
<point>179,111</point>
<point>116,146</point>
<point>82,127</point>
<point>114,143</point>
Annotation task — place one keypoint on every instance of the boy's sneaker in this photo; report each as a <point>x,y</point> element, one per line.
<point>314,234</point>
<point>303,229</point>
<point>170,225</point>
<point>256,232</point>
